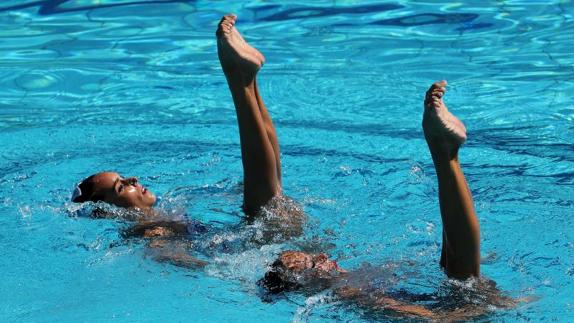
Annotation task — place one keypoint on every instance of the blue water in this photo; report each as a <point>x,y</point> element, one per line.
<point>136,87</point>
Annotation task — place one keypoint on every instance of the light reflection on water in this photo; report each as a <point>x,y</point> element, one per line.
<point>136,87</point>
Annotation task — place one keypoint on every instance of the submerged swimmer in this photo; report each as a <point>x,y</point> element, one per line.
<point>262,189</point>
<point>460,256</point>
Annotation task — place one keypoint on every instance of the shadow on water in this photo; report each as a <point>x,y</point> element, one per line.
<point>51,7</point>
<point>406,21</point>
<point>425,19</point>
<point>312,12</point>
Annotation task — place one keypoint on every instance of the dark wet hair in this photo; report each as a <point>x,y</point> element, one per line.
<point>277,279</point>
<point>85,191</point>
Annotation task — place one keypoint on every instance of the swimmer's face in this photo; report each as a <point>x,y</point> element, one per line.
<point>123,192</point>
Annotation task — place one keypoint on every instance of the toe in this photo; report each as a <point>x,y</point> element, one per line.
<point>441,83</point>
<point>437,85</point>
<point>437,93</point>
<point>224,25</point>
<point>428,99</point>
<point>231,18</point>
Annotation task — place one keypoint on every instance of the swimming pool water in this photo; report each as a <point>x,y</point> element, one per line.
<point>135,86</point>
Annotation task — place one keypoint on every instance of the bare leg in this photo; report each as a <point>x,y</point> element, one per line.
<point>271,134</point>
<point>240,63</point>
<point>256,55</point>
<point>444,134</point>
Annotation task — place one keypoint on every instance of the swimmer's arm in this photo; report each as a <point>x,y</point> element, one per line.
<point>180,259</point>
<point>400,307</point>
<point>174,253</point>
<point>464,313</point>
<point>473,311</point>
<point>384,302</point>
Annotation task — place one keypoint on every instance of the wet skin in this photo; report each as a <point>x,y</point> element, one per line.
<point>129,193</point>
<point>123,192</point>
<point>259,146</point>
<point>297,261</point>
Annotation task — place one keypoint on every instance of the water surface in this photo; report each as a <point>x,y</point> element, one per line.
<point>135,86</point>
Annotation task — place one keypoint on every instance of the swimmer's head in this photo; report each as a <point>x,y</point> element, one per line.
<point>294,269</point>
<point>114,189</point>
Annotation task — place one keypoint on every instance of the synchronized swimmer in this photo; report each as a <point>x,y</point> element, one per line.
<point>262,188</point>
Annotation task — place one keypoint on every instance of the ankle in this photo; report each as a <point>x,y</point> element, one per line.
<point>240,79</point>
<point>442,152</point>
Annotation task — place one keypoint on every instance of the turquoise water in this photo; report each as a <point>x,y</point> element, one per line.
<point>136,87</point>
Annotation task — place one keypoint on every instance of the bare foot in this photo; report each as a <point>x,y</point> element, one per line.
<point>443,131</point>
<point>253,50</point>
<point>235,54</point>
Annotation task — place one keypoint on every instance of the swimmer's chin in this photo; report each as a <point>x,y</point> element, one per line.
<point>150,201</point>
<point>152,198</point>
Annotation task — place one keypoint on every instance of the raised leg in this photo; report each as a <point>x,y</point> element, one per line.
<point>444,134</point>
<point>271,134</point>
<point>259,153</point>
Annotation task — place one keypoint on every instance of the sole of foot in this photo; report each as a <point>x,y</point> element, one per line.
<point>443,131</point>
<point>234,52</point>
